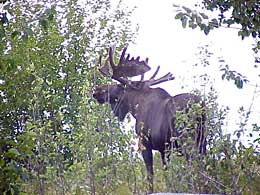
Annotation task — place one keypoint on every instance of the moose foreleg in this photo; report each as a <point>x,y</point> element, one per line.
<point>148,160</point>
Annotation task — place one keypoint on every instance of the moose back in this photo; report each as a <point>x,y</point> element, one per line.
<point>154,109</point>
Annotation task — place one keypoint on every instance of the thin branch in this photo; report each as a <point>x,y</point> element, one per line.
<point>213,180</point>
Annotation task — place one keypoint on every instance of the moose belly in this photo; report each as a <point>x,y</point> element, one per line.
<point>160,141</point>
<point>160,134</point>
<point>153,124</point>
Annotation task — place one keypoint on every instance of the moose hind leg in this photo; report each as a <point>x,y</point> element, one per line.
<point>148,160</point>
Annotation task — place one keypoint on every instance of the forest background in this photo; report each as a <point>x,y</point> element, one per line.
<point>55,138</point>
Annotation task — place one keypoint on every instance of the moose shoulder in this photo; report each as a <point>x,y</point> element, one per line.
<point>153,108</point>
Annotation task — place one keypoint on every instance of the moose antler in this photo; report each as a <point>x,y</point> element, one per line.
<point>129,68</point>
<point>152,81</point>
<point>126,67</point>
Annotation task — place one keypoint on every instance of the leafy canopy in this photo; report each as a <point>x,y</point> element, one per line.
<point>244,15</point>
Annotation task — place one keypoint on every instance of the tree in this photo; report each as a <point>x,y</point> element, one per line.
<point>54,138</point>
<point>241,15</point>
<point>244,15</point>
<point>48,123</point>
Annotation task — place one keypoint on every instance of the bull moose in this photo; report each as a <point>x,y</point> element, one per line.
<point>153,108</point>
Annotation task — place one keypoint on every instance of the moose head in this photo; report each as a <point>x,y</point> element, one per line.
<point>153,108</point>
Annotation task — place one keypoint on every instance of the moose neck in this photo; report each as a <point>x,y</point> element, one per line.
<point>144,99</point>
<point>135,102</point>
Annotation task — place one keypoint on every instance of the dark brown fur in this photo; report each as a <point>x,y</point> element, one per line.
<point>155,111</point>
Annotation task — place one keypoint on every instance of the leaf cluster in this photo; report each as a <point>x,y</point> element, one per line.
<point>49,139</point>
<point>195,19</point>
<point>230,13</point>
<point>230,166</point>
<point>238,79</point>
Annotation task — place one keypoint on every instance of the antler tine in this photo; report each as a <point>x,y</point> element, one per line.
<point>104,69</point>
<point>126,67</point>
<point>153,81</point>
<point>100,60</point>
<point>122,57</point>
<point>155,73</point>
<point>111,57</point>
<point>167,77</point>
<point>142,77</point>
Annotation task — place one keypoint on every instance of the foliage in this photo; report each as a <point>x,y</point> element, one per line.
<point>232,164</point>
<point>238,79</point>
<point>55,139</point>
<point>229,13</point>
<point>48,120</point>
<point>241,15</point>
<point>229,167</point>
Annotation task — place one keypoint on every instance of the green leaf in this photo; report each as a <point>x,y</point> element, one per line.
<point>44,23</point>
<point>3,18</point>
<point>206,30</point>
<point>254,34</point>
<point>12,153</point>
<point>223,76</point>
<point>214,22</point>
<point>2,33</point>
<point>188,10</point>
<point>184,21</point>
<point>192,24</point>
<point>29,31</point>
<point>198,19</point>
<point>239,82</point>
<point>204,16</point>
<point>179,15</point>
<point>15,33</point>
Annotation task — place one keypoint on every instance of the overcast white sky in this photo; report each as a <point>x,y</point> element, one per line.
<point>166,43</point>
